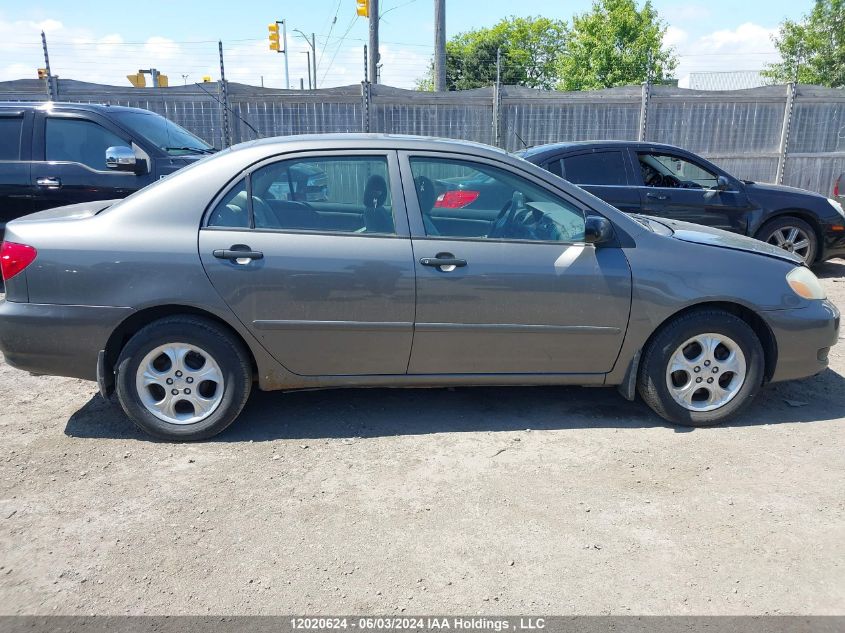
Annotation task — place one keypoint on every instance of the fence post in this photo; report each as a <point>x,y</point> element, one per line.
<point>224,98</point>
<point>366,95</point>
<point>646,98</point>
<point>497,101</point>
<point>51,86</point>
<point>791,90</point>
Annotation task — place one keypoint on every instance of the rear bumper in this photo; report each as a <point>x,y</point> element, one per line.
<point>58,340</point>
<point>804,336</point>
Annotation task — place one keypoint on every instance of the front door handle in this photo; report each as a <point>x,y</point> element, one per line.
<point>51,182</point>
<point>657,196</point>
<point>446,262</point>
<point>239,253</point>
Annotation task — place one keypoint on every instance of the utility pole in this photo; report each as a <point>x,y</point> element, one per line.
<point>314,53</point>
<point>285,44</point>
<point>373,48</point>
<point>308,53</point>
<point>227,136</point>
<point>440,45</point>
<point>51,86</point>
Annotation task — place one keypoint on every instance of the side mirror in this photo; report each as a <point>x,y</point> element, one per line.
<point>597,229</point>
<point>722,183</point>
<point>121,158</point>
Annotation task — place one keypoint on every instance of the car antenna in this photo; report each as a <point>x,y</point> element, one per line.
<point>524,144</point>
<point>248,124</point>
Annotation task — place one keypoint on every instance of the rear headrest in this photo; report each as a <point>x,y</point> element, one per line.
<point>375,192</point>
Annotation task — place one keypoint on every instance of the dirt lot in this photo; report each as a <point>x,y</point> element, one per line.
<point>497,501</point>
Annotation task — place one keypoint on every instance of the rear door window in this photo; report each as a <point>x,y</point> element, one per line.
<point>595,168</point>
<point>80,141</point>
<point>10,137</point>
<point>345,194</point>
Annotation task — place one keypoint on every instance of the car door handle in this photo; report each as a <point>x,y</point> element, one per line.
<point>236,254</point>
<point>657,196</point>
<point>443,259</point>
<point>51,182</point>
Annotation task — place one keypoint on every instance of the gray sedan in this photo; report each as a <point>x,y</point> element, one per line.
<point>356,260</point>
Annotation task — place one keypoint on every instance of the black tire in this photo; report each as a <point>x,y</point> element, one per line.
<point>769,229</point>
<point>225,350</point>
<point>652,377</point>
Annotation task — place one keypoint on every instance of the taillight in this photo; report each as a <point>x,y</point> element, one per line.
<point>14,258</point>
<point>456,199</point>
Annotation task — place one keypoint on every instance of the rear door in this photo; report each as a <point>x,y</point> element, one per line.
<point>16,195</point>
<point>69,164</point>
<point>521,294</point>
<point>674,185</point>
<point>312,253</point>
<point>605,173</point>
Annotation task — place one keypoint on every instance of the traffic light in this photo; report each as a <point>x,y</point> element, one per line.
<point>163,81</point>
<point>138,80</point>
<point>363,8</point>
<point>274,37</point>
<point>206,79</point>
<point>42,73</point>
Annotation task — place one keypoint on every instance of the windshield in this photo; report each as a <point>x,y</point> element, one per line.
<point>163,133</point>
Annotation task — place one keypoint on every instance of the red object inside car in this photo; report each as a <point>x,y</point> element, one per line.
<point>456,199</point>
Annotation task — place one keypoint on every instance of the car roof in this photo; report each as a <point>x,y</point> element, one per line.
<point>371,141</point>
<point>556,148</point>
<point>103,108</point>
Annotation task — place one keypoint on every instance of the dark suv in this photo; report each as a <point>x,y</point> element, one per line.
<point>667,181</point>
<point>53,154</point>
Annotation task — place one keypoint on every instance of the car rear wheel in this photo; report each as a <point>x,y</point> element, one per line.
<point>183,378</point>
<point>791,234</point>
<point>701,368</point>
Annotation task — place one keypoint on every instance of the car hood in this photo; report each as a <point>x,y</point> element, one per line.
<point>779,190</point>
<point>698,234</point>
<point>69,212</point>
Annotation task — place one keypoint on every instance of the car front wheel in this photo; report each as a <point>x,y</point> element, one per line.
<point>183,378</point>
<point>701,368</point>
<point>793,235</point>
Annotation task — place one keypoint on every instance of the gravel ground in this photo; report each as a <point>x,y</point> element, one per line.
<point>495,501</point>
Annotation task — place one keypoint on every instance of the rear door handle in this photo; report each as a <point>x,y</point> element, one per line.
<point>657,196</point>
<point>51,182</point>
<point>443,260</point>
<point>235,253</point>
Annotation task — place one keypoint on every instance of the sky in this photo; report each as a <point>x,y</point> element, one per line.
<point>103,41</point>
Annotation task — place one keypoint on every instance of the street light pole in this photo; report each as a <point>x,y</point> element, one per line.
<point>313,46</point>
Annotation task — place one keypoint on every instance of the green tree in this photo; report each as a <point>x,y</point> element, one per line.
<point>615,44</point>
<point>530,48</point>
<point>815,47</point>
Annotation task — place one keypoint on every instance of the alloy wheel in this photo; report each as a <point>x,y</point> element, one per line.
<point>706,372</point>
<point>792,239</point>
<point>179,383</point>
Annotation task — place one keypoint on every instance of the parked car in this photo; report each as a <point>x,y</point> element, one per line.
<point>667,181</point>
<point>183,295</point>
<point>54,154</point>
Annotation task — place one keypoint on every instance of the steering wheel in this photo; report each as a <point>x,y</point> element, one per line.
<point>668,180</point>
<point>506,215</point>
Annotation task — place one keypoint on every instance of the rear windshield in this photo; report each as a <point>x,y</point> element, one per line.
<point>163,133</point>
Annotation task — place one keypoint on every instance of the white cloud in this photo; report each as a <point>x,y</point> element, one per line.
<point>674,37</point>
<point>747,47</point>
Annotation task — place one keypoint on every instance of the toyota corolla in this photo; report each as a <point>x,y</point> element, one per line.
<point>237,272</point>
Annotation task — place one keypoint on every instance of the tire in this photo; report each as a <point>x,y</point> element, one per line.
<point>790,233</point>
<point>183,378</point>
<point>728,389</point>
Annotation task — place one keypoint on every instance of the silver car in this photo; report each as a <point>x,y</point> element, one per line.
<point>239,271</point>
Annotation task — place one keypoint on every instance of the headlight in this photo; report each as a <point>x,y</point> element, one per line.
<point>805,284</point>
<point>838,206</point>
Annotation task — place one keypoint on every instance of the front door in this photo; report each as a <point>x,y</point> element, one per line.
<point>677,187</point>
<point>520,293</point>
<point>604,173</point>
<point>312,254</point>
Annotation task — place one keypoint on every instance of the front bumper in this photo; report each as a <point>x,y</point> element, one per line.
<point>803,336</point>
<point>58,340</point>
